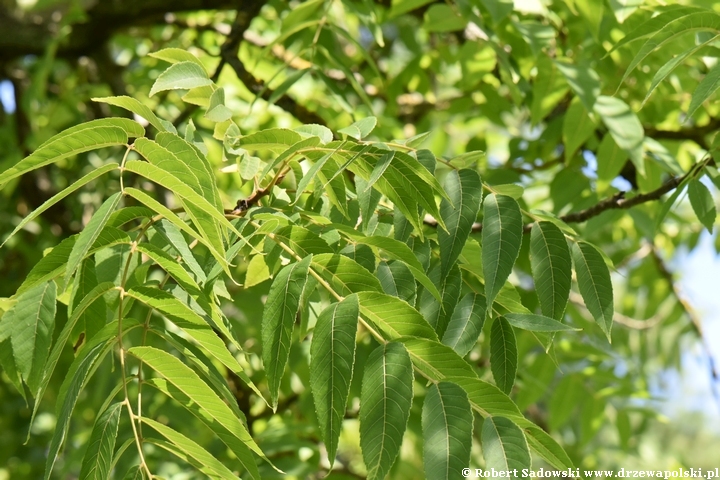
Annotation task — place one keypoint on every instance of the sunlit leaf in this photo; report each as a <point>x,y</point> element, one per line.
<point>332,358</point>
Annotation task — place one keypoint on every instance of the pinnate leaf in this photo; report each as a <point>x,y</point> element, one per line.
<point>501,239</point>
<point>551,268</point>
<point>183,75</point>
<point>332,356</point>
<point>385,400</point>
<point>81,138</point>
<point>466,324</point>
<point>31,322</point>
<point>503,354</point>
<point>459,213</point>
<point>594,283</point>
<point>702,203</point>
<point>96,462</point>
<point>504,445</point>
<point>281,307</point>
<point>447,423</point>
<point>90,234</point>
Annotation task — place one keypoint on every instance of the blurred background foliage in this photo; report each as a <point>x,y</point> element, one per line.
<point>475,74</point>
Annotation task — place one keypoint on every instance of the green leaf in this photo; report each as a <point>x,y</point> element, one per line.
<point>282,89</point>
<point>443,18</point>
<point>548,89</point>
<point>175,55</point>
<point>577,128</point>
<point>344,274</point>
<point>135,106</point>
<point>551,268</point>
<point>400,251</point>
<point>81,138</point>
<point>504,445</point>
<point>702,203</point>
<point>403,6</point>
<point>610,159</point>
<point>170,265</point>
<point>190,451</point>
<point>670,66</point>
<point>487,399</point>
<point>89,235</point>
<point>187,381</point>
<point>501,239</point>
<point>624,126</point>
<point>95,317</point>
<point>216,110</point>
<point>289,153</point>
<point>189,321</point>
<point>447,425</point>
<point>176,239</point>
<point>459,213</point>
<point>594,283</point>
<point>62,339</point>
<point>385,400</point>
<point>503,354</point>
<point>96,462</point>
<point>436,361</point>
<point>547,448</point>
<point>332,356</point>
<point>74,382</point>
<point>31,322</point>
<point>709,84</point>
<point>656,23</point>
<point>278,319</point>
<point>361,128</point>
<point>175,220</point>
<point>207,217</point>
<point>59,196</point>
<point>397,280</point>
<point>584,81</point>
<point>276,140</point>
<point>393,317</point>
<point>184,75</point>
<point>54,263</point>
<point>466,324</point>
<point>438,313</point>
<point>703,20</point>
<point>536,323</point>
<point>380,168</point>
<point>240,449</point>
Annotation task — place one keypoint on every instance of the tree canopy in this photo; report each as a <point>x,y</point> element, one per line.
<point>346,238</point>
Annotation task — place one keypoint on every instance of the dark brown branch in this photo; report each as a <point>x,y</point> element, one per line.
<point>29,34</point>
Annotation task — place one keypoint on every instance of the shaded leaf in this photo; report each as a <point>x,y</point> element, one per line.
<point>96,462</point>
<point>466,324</point>
<point>447,423</point>
<point>504,445</point>
<point>89,235</point>
<point>503,354</point>
<point>385,400</point>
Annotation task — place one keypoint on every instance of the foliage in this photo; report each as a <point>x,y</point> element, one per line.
<point>483,284</point>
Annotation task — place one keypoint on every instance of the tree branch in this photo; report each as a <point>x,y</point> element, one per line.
<point>28,34</point>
